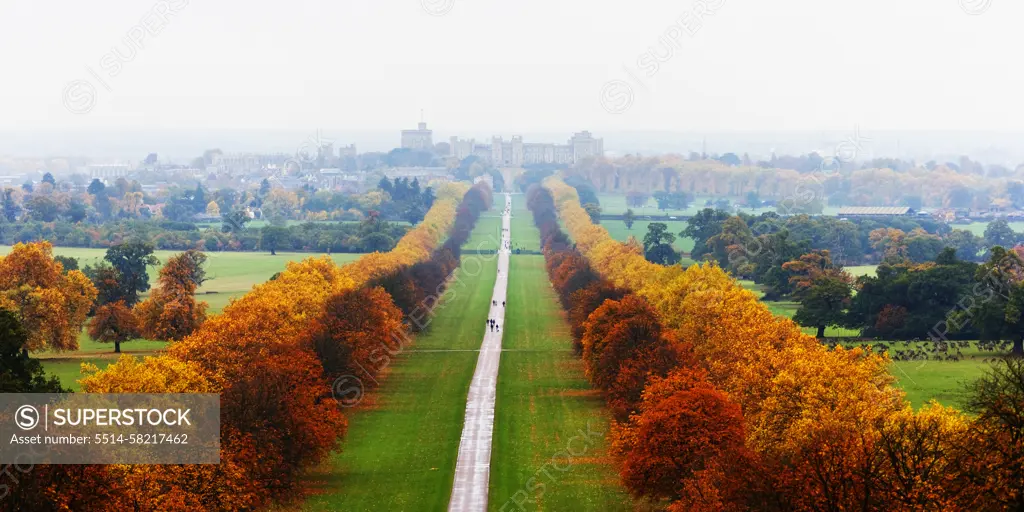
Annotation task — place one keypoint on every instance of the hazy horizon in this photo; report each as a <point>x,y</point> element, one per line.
<point>653,76</point>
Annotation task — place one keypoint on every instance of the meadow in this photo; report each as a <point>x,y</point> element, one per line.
<point>403,440</point>
<point>922,380</point>
<point>551,420</point>
<point>615,204</point>
<point>229,275</point>
<point>544,401</point>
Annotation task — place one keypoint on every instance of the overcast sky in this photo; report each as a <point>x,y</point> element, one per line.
<point>523,65</point>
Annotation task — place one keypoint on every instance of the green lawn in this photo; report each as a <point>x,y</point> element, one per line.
<point>862,270</point>
<point>550,425</point>
<point>922,380</point>
<point>403,441</point>
<point>978,228</point>
<point>617,229</point>
<point>229,275</point>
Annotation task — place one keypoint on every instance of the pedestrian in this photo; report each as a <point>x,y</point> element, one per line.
<point>502,303</point>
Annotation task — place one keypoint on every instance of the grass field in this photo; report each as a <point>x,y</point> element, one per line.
<point>229,275</point>
<point>615,204</point>
<point>862,270</point>
<point>922,380</point>
<point>552,425</point>
<point>617,229</point>
<point>401,450</point>
<point>978,228</point>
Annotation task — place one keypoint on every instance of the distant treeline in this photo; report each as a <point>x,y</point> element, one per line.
<point>370,235</point>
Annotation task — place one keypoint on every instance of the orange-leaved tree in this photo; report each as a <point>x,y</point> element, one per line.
<point>356,333</point>
<point>51,305</point>
<point>684,427</point>
<point>171,312</point>
<point>114,323</point>
<point>623,347</point>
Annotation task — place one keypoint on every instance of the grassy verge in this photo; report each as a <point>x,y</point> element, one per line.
<point>229,275</point>
<point>401,450</point>
<point>549,448</point>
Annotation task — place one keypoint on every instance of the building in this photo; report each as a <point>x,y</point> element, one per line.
<point>337,179</point>
<point>420,139</point>
<point>105,171</point>
<point>425,175</point>
<point>247,162</point>
<point>347,151</point>
<point>876,211</point>
<point>516,153</point>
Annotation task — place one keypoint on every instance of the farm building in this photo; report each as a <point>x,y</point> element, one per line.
<point>876,211</point>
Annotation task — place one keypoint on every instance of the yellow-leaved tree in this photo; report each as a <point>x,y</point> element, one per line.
<point>51,304</point>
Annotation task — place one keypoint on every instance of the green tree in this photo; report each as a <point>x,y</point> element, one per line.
<point>11,208</point>
<point>274,237</point>
<point>629,218</point>
<point>968,245</point>
<point>1000,233</point>
<point>96,187</point>
<point>67,262</point>
<point>658,244</point>
<point>42,208</point>
<point>594,211</point>
<point>18,372</point>
<point>131,260</point>
<point>824,303</point>
<point>822,288</point>
<point>702,226</point>
<point>234,221</point>
<point>997,312</point>
<point>733,247</point>
<point>753,199</point>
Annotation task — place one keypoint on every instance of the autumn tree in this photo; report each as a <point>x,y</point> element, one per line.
<point>114,323</point>
<point>623,347</point>
<point>357,332</point>
<point>583,302</point>
<point>50,304</point>
<point>997,401</point>
<point>171,312</point>
<point>683,428</point>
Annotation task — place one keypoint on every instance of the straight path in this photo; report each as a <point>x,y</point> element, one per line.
<point>473,468</point>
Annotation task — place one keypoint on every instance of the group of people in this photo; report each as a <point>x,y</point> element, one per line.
<point>492,324</point>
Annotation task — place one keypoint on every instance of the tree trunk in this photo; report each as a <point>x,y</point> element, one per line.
<point>1018,347</point>
<point>117,347</point>
<point>821,331</point>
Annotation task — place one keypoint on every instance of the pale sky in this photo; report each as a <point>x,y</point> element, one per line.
<point>523,65</point>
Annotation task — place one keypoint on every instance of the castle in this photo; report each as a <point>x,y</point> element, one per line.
<point>516,153</point>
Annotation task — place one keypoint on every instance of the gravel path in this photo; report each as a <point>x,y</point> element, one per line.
<point>469,494</point>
